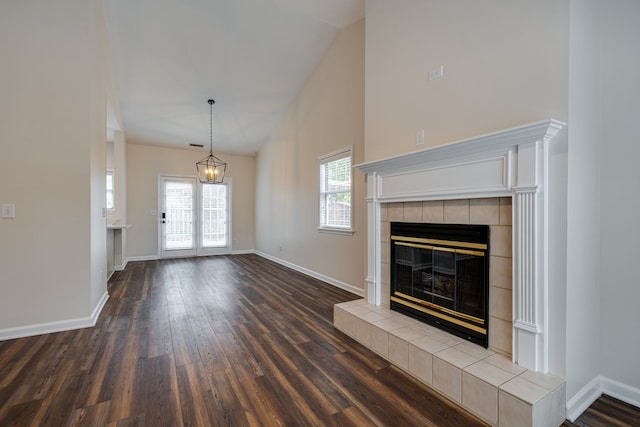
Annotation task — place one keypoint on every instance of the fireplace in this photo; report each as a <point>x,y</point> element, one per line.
<point>509,163</point>
<point>439,275</point>
<point>431,186</point>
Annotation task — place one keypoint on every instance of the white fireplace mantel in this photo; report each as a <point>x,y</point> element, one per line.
<point>512,162</point>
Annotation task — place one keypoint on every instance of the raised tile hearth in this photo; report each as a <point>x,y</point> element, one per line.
<point>482,381</point>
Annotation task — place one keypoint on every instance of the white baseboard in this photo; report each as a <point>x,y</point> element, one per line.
<point>52,327</point>
<point>243,252</point>
<point>584,398</point>
<point>121,266</point>
<point>594,389</point>
<point>624,392</point>
<point>316,275</point>
<point>98,309</point>
<point>156,257</point>
<point>142,258</point>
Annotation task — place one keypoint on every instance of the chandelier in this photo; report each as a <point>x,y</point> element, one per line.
<point>211,169</point>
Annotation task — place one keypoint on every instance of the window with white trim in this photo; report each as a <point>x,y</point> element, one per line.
<point>336,191</point>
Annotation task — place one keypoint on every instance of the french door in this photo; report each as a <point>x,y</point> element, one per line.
<point>194,218</point>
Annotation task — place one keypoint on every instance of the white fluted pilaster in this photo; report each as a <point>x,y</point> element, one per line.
<point>527,326</point>
<point>374,293</point>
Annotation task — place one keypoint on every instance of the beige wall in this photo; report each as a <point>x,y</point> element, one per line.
<point>582,299</point>
<point>620,202</point>
<point>327,115</point>
<point>52,139</point>
<point>505,64</point>
<point>146,163</point>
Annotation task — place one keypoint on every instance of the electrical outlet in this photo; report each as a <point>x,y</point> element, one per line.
<point>420,137</point>
<point>436,73</point>
<point>8,210</point>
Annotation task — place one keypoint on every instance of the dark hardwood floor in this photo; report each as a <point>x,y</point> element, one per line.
<point>228,340</point>
<point>608,412</point>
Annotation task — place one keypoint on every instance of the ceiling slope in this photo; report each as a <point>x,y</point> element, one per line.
<point>251,56</point>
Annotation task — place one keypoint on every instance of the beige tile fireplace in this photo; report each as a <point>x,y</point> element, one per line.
<point>498,180</point>
<point>495,212</point>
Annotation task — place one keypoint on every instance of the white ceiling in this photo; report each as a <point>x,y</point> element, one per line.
<point>251,56</point>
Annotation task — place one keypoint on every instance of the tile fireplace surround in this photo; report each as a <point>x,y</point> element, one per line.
<point>486,178</point>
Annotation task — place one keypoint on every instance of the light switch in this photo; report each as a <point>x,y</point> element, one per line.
<point>420,137</point>
<point>8,210</point>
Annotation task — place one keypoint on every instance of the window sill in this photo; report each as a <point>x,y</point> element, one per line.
<point>343,231</point>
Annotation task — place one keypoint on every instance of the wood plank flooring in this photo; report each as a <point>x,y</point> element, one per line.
<point>218,341</point>
<point>227,340</point>
<point>607,412</point>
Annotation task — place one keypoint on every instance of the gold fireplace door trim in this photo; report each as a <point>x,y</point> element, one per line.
<point>441,315</point>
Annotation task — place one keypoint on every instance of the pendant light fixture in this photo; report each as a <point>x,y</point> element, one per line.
<point>211,169</point>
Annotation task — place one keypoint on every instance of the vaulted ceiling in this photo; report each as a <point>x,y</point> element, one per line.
<point>251,56</point>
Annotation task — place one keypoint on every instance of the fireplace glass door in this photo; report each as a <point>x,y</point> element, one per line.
<point>442,281</point>
<point>441,276</point>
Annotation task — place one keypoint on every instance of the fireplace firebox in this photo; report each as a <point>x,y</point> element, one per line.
<point>440,275</point>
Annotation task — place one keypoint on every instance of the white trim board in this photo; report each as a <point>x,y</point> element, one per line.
<point>121,266</point>
<point>243,252</point>
<point>594,389</point>
<point>58,326</point>
<point>142,258</point>
<point>314,274</point>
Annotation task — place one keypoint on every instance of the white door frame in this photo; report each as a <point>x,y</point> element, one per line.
<point>176,253</point>
<point>198,250</point>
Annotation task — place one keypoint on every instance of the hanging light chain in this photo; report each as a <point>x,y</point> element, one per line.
<point>211,101</point>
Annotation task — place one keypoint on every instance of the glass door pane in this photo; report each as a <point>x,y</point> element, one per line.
<point>178,214</point>
<point>214,215</point>
<point>444,278</point>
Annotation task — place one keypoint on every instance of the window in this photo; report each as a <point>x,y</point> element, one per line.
<point>109,187</point>
<point>335,191</point>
